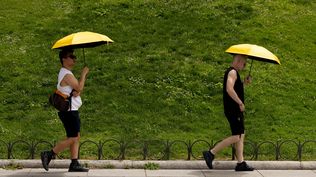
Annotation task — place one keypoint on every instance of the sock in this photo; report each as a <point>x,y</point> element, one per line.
<point>53,153</point>
<point>74,161</point>
<point>212,152</point>
<point>239,163</point>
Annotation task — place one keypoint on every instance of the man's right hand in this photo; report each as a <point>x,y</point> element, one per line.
<point>85,71</point>
<point>248,80</point>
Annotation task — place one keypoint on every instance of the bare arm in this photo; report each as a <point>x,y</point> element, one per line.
<point>73,82</point>
<point>231,79</point>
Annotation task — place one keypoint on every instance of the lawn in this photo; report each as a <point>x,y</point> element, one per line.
<point>161,79</point>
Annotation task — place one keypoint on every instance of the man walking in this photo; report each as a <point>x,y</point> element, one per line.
<point>233,97</point>
<point>69,85</point>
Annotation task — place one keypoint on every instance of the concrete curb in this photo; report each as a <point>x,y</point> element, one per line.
<point>170,164</point>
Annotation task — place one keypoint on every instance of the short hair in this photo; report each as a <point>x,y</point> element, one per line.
<point>238,57</point>
<point>64,53</point>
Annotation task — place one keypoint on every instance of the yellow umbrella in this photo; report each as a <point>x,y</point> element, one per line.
<point>254,52</point>
<point>82,40</point>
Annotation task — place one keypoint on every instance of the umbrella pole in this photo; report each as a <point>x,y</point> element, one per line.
<point>250,68</point>
<point>84,58</point>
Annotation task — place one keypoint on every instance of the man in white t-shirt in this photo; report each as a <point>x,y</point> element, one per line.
<point>70,86</point>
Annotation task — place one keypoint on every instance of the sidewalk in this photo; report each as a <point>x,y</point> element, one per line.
<point>28,172</point>
<point>170,168</point>
<point>169,164</point>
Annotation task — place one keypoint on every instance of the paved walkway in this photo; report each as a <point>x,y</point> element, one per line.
<point>35,172</point>
<point>169,164</point>
<point>171,168</point>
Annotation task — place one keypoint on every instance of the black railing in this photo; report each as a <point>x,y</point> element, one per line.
<point>163,149</point>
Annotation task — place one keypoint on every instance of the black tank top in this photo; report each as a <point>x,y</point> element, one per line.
<point>230,106</point>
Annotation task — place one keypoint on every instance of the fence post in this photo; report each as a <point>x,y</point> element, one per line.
<point>256,151</point>
<point>299,151</point>
<point>32,150</point>
<point>167,150</point>
<point>100,152</point>
<point>277,151</point>
<point>189,150</point>
<point>145,150</point>
<point>9,150</point>
<point>123,148</point>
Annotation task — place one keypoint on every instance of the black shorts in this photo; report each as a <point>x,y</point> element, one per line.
<point>71,122</point>
<point>236,122</point>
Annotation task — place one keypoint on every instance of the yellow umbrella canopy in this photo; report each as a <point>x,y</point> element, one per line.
<point>82,40</point>
<point>254,52</point>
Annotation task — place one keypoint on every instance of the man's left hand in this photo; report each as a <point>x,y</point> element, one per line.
<point>75,93</point>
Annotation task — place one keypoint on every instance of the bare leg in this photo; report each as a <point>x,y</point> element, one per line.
<point>225,143</point>
<point>240,149</point>
<point>63,145</point>
<point>74,148</point>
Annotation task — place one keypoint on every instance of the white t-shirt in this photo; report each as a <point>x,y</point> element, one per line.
<point>75,101</point>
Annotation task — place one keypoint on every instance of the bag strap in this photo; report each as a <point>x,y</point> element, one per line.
<point>61,94</point>
<point>69,98</point>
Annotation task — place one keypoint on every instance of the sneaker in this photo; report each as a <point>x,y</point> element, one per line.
<point>208,157</point>
<point>243,167</point>
<point>46,157</point>
<point>76,167</point>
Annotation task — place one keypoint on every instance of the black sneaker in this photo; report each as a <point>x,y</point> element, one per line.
<point>76,167</point>
<point>46,157</point>
<point>243,167</point>
<point>208,157</point>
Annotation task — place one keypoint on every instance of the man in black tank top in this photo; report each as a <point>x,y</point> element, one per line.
<point>233,97</point>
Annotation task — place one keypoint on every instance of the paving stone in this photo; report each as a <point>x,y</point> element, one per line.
<point>230,173</point>
<point>117,173</point>
<point>39,172</point>
<point>174,173</point>
<point>18,172</point>
<point>287,173</point>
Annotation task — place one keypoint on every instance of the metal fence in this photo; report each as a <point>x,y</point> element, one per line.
<point>164,149</point>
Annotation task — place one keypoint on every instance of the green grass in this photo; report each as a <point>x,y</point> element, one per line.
<point>151,166</point>
<point>12,166</point>
<point>162,77</point>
